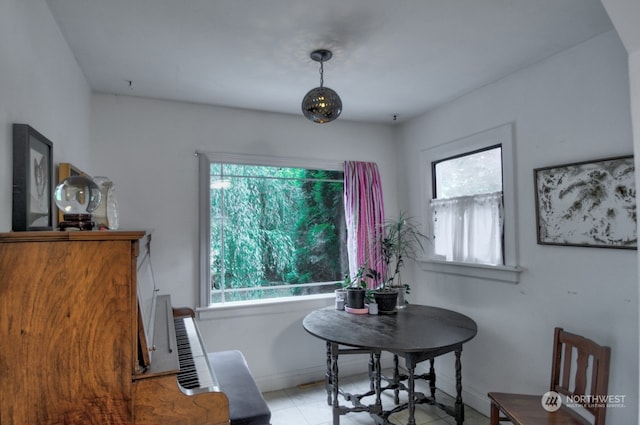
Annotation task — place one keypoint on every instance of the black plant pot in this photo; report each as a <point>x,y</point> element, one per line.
<point>386,301</point>
<point>355,297</point>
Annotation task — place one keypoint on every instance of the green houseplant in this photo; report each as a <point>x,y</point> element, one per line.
<point>400,240</point>
<point>356,288</point>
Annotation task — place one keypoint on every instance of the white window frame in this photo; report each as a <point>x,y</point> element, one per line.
<point>503,135</point>
<point>204,224</point>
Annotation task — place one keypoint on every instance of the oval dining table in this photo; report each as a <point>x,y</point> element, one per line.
<point>415,333</point>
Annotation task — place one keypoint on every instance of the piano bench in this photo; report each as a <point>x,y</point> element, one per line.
<point>246,404</point>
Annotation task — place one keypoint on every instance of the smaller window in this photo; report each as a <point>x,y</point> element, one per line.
<point>479,169</point>
<point>469,174</point>
<point>467,210</point>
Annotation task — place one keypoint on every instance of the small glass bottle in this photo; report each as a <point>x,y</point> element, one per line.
<point>106,216</point>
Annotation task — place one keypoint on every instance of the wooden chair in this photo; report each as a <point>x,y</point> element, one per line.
<point>571,353</point>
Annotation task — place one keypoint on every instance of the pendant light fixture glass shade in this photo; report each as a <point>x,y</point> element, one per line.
<point>321,104</point>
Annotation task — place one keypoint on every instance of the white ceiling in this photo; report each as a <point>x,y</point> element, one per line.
<point>390,56</point>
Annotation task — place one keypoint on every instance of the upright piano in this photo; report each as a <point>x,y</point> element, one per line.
<point>86,339</point>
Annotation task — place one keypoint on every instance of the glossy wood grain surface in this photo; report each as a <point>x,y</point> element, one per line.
<point>67,330</point>
<point>157,402</point>
<point>69,335</point>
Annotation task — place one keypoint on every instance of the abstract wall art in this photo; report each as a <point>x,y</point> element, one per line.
<point>591,204</point>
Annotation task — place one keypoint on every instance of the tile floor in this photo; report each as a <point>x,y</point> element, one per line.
<point>307,405</point>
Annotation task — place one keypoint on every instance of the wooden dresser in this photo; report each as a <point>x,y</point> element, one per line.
<point>69,332</point>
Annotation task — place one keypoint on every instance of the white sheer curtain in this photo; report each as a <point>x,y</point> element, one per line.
<point>469,229</point>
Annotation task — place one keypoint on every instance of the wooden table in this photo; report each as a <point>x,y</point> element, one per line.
<point>416,333</point>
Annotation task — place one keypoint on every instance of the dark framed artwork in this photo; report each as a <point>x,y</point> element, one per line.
<point>591,204</point>
<point>32,180</point>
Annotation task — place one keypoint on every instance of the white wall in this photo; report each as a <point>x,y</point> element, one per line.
<point>625,15</point>
<point>147,147</point>
<point>634,81</point>
<point>571,107</point>
<point>40,85</point>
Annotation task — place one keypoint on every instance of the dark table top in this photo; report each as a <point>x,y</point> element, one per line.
<point>417,328</point>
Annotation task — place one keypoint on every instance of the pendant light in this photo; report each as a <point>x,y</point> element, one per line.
<point>321,104</point>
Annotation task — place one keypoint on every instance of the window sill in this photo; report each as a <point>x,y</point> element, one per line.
<point>268,306</point>
<point>481,271</point>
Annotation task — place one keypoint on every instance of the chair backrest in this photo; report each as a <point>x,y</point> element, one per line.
<point>580,371</point>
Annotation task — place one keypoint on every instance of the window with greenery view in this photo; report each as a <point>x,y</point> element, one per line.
<point>274,232</point>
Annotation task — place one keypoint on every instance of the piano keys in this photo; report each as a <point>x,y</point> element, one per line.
<point>175,383</point>
<point>196,374</point>
<point>179,386</point>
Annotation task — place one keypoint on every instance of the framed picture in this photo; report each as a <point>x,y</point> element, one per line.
<point>32,180</point>
<point>590,204</point>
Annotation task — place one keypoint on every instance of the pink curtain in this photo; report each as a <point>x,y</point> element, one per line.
<point>364,210</point>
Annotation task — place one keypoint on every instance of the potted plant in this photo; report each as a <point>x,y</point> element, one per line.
<point>385,295</point>
<point>401,239</point>
<point>356,289</point>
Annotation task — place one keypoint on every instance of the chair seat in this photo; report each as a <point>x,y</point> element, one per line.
<point>527,409</point>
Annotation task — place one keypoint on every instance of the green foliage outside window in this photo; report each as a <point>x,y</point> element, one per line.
<point>275,231</point>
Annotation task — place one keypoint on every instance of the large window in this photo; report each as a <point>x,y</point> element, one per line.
<point>470,206</point>
<point>273,231</point>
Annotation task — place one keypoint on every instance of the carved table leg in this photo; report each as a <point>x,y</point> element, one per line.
<point>335,385</point>
<point>459,408</point>
<point>378,385</point>
<point>411,394</point>
<point>327,376</point>
<point>432,380</point>
<point>371,373</point>
<point>396,380</point>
